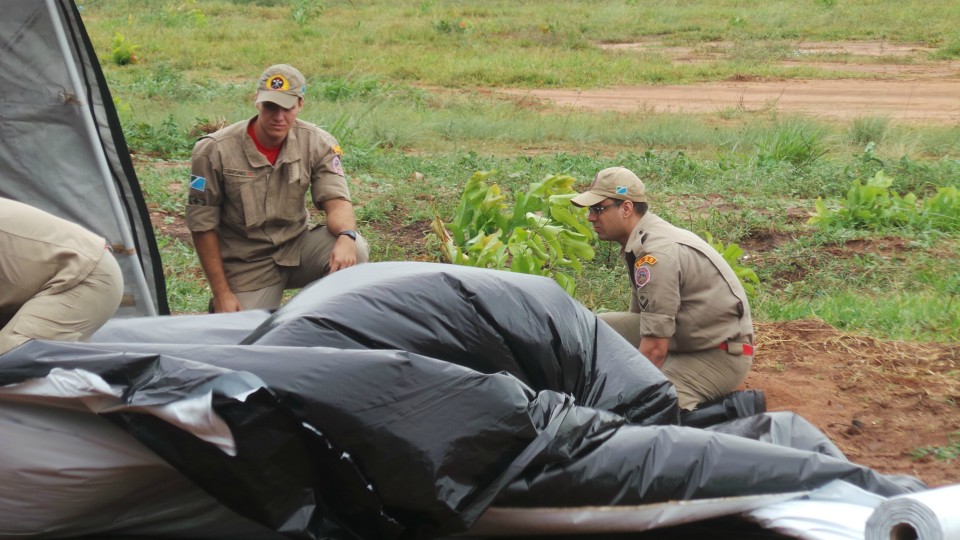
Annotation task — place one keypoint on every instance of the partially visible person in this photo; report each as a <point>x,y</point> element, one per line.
<point>246,208</point>
<point>58,281</point>
<point>689,313</point>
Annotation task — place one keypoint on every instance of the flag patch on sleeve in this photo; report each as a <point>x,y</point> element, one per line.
<point>198,183</point>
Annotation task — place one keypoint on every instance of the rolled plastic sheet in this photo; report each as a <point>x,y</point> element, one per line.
<point>928,515</point>
<point>500,521</point>
<point>835,511</point>
<point>386,444</point>
<point>329,437</point>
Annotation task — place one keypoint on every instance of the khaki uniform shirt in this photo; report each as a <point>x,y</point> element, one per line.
<point>257,208</point>
<point>41,254</point>
<point>683,289</point>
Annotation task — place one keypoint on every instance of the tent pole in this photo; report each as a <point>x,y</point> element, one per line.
<point>94,136</point>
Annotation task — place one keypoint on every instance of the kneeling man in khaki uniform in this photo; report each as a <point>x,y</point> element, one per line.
<point>688,310</point>
<point>58,281</point>
<point>246,204</point>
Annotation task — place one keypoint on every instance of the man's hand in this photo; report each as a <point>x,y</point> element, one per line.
<point>226,303</point>
<point>340,218</point>
<point>207,245</point>
<point>344,254</point>
<point>655,349</point>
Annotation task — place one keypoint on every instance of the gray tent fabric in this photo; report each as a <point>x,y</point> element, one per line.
<point>61,145</point>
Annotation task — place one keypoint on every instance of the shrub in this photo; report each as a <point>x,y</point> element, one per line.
<point>541,234</point>
<point>122,52</point>
<point>875,206</point>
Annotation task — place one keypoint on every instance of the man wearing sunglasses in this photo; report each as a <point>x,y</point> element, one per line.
<point>688,310</point>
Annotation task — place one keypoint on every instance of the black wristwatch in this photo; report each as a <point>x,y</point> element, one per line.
<point>350,233</point>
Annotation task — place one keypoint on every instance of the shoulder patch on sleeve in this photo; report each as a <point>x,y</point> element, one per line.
<point>646,259</point>
<point>198,183</point>
<point>642,276</point>
<point>336,165</point>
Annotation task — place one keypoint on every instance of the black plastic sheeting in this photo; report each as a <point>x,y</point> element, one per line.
<point>400,400</point>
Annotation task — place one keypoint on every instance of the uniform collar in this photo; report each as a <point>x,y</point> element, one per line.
<point>636,235</point>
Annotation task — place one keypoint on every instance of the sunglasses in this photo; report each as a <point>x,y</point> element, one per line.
<point>598,209</point>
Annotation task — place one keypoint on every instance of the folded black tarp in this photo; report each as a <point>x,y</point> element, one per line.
<point>400,400</point>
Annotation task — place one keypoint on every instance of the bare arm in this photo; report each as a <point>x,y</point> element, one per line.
<point>340,218</point>
<point>655,349</point>
<point>207,244</point>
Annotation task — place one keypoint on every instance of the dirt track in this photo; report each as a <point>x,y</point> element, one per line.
<point>904,88</point>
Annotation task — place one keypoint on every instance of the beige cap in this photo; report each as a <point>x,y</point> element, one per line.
<point>281,84</point>
<point>614,183</point>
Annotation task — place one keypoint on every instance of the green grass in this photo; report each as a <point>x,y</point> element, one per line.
<point>460,43</point>
<point>947,452</point>
<point>406,88</point>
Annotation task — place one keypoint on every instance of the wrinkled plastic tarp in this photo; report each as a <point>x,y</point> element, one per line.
<point>403,399</point>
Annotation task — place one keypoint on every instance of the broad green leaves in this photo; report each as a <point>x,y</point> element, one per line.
<point>875,206</point>
<point>541,234</point>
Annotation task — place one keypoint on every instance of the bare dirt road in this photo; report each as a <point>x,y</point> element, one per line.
<point>897,83</point>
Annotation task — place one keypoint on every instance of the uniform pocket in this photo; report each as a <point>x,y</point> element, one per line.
<point>250,193</point>
<point>292,207</point>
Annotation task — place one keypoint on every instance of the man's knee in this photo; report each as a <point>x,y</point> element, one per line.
<point>705,376</point>
<point>624,323</point>
<point>266,298</point>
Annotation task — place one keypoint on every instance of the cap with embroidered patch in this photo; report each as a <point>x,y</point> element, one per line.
<point>282,84</point>
<point>613,183</point>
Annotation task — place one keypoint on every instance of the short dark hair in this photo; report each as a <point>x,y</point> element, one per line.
<point>640,208</point>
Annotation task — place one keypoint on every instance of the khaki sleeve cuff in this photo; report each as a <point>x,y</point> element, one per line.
<point>657,325</point>
<point>202,218</point>
<point>330,186</point>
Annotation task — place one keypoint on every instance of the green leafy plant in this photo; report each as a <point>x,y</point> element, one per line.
<point>541,234</point>
<point>122,51</point>
<point>305,10</point>
<point>875,206</point>
<point>733,254</point>
<point>942,211</point>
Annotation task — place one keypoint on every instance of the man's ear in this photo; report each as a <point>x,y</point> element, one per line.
<point>627,207</point>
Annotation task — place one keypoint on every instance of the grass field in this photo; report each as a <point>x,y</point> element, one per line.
<point>408,89</point>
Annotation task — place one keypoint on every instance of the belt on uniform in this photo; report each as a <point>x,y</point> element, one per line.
<point>736,348</point>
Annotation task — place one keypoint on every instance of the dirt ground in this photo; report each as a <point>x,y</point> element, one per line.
<point>879,401</point>
<point>895,82</point>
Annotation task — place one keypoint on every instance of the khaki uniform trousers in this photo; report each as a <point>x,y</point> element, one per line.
<point>698,376</point>
<point>314,264</point>
<point>71,315</point>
